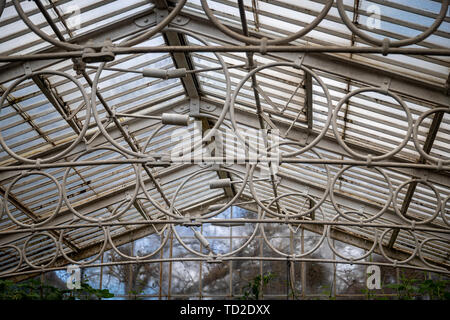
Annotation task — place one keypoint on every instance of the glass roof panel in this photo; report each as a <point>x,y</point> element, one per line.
<point>35,126</point>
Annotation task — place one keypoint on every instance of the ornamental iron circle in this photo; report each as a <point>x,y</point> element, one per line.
<point>416,181</point>
<point>127,43</point>
<point>82,131</point>
<point>333,248</point>
<point>137,172</point>
<point>143,257</point>
<point>276,214</point>
<point>416,136</point>
<point>399,43</point>
<point>370,157</point>
<point>421,256</point>
<point>376,215</point>
<point>51,216</point>
<point>211,255</point>
<point>282,40</point>
<point>395,262</point>
<point>84,262</point>
<point>313,249</point>
<point>27,242</point>
<point>226,205</point>
<point>444,205</point>
<point>205,139</point>
<point>19,263</point>
<point>284,64</point>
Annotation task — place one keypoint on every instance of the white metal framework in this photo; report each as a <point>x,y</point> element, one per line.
<point>100,97</point>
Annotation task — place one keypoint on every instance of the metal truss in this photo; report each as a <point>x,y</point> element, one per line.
<point>321,168</point>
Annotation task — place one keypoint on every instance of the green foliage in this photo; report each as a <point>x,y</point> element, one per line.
<point>29,290</point>
<point>87,291</point>
<point>407,289</point>
<point>135,294</point>
<point>370,296</point>
<point>327,291</point>
<point>35,290</point>
<point>253,289</point>
<point>435,289</point>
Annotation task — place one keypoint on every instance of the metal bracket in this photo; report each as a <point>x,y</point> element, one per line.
<point>194,107</point>
<point>90,55</point>
<point>27,68</point>
<point>161,14</point>
<point>78,65</point>
<point>146,21</point>
<point>215,259</point>
<point>303,139</point>
<point>207,107</point>
<point>386,84</point>
<point>180,21</point>
<point>204,165</point>
<point>165,157</point>
<point>299,61</point>
<point>192,223</point>
<point>182,108</point>
<point>361,210</point>
<point>87,146</point>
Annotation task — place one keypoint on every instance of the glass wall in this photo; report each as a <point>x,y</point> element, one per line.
<point>267,278</point>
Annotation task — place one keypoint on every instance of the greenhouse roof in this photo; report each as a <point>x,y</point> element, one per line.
<point>360,120</point>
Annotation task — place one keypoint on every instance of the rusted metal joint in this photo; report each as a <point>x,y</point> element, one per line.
<point>215,259</point>
<point>78,66</point>
<point>192,222</point>
<point>93,55</point>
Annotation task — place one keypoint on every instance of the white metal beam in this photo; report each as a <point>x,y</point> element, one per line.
<point>327,143</point>
<point>119,29</point>
<point>337,65</point>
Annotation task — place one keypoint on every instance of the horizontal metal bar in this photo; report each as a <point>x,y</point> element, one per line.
<point>328,143</point>
<point>294,183</point>
<point>115,30</point>
<point>235,48</point>
<point>183,221</point>
<point>151,162</point>
<point>336,65</point>
<point>225,259</point>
